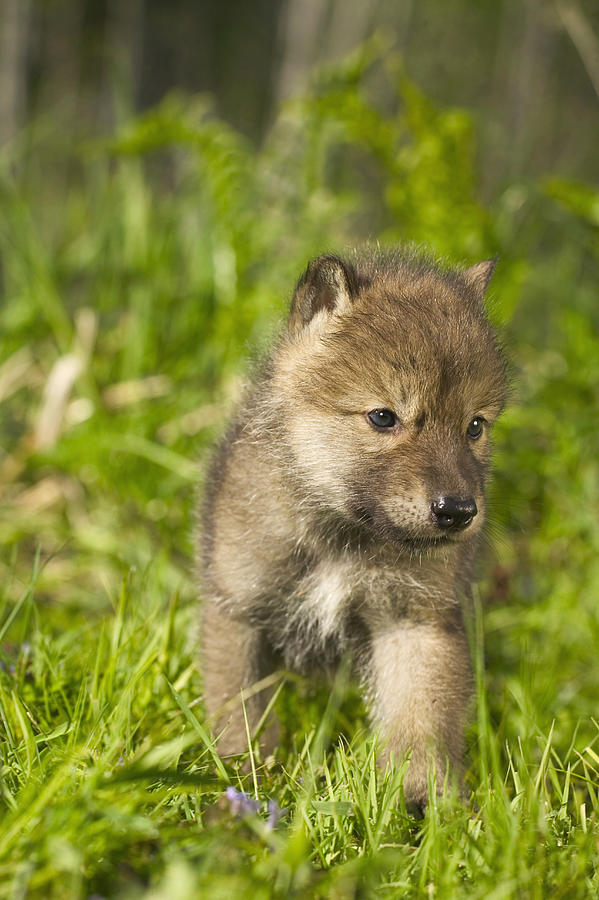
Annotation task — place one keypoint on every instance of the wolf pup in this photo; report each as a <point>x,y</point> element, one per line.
<point>345,505</point>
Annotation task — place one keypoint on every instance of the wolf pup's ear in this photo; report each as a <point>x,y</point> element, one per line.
<point>479,275</point>
<point>328,284</point>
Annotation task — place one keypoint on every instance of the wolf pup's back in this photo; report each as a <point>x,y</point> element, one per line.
<point>345,505</point>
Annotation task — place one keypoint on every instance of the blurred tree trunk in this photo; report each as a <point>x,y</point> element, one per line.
<point>60,58</point>
<point>14,21</point>
<point>350,23</point>
<point>583,38</point>
<point>523,60</point>
<point>302,24</point>
<point>123,52</point>
<point>314,31</point>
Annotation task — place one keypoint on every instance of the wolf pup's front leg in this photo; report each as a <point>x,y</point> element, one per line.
<point>421,687</point>
<point>234,658</point>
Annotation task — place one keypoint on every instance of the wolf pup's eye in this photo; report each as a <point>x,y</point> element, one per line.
<point>382,418</point>
<point>475,428</point>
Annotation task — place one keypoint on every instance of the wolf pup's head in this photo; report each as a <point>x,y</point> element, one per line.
<point>390,378</point>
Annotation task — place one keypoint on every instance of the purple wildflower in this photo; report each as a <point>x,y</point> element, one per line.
<point>275,814</point>
<point>241,803</point>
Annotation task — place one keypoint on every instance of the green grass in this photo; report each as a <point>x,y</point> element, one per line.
<point>111,783</point>
<point>137,275</point>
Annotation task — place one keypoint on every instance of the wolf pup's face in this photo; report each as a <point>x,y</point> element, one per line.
<point>390,379</point>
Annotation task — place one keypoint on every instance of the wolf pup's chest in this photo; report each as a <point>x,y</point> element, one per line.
<point>341,600</point>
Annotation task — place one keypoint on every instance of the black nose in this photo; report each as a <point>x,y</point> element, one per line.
<point>453,513</point>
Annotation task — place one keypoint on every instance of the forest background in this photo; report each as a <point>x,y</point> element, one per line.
<point>166,170</point>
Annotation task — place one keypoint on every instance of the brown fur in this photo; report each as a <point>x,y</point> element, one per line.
<point>318,535</point>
